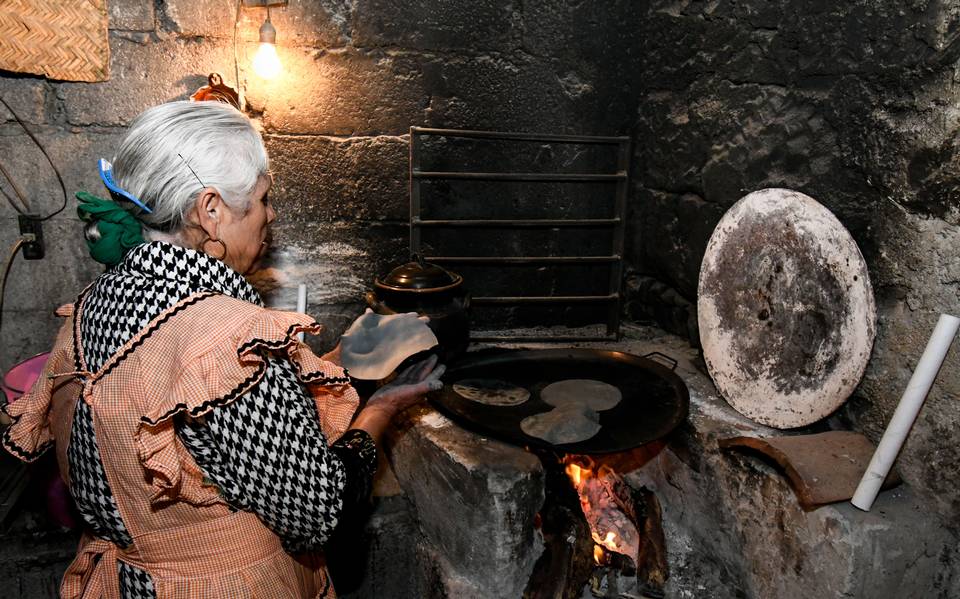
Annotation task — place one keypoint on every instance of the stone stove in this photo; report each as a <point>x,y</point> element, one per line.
<point>458,515</point>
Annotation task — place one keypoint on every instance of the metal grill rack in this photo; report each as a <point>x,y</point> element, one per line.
<point>610,296</point>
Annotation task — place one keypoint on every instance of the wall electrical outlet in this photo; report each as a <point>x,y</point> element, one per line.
<point>30,224</point>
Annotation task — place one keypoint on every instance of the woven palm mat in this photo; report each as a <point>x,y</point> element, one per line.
<point>60,39</point>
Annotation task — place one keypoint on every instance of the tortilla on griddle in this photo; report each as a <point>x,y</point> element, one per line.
<point>491,392</point>
<point>560,426</point>
<point>595,395</point>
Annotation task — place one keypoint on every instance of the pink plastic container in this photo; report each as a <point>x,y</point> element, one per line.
<point>22,375</point>
<point>16,382</point>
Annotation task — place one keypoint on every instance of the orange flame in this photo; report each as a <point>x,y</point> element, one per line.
<point>609,542</point>
<point>580,469</point>
<point>578,474</point>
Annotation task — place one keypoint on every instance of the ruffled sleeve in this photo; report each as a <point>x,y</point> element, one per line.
<point>329,383</point>
<point>31,435</point>
<point>192,374</point>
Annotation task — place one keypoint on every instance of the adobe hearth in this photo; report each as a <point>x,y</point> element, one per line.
<point>480,523</point>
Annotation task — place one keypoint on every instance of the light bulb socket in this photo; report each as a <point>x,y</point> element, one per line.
<point>268,33</point>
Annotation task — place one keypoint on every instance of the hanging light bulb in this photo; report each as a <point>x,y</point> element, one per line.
<point>266,63</point>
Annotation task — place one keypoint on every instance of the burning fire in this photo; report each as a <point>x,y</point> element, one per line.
<point>605,500</point>
<point>577,474</point>
<point>609,542</point>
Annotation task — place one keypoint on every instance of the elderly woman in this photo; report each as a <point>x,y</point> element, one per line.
<point>194,430</point>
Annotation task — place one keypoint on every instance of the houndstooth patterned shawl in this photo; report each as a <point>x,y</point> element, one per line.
<point>242,460</point>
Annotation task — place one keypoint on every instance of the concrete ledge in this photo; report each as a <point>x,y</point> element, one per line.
<point>475,500</point>
<point>735,529</point>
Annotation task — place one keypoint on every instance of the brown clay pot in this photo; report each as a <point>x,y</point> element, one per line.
<point>429,290</point>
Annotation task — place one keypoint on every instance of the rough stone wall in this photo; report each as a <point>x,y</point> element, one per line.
<point>357,75</point>
<point>852,103</point>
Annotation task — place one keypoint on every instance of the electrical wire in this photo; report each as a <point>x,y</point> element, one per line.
<point>63,188</point>
<point>10,201</point>
<point>16,190</point>
<point>6,271</point>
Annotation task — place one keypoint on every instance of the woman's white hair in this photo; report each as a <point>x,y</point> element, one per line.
<point>174,150</point>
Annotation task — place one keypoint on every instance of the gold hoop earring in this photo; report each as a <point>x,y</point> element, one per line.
<point>203,248</point>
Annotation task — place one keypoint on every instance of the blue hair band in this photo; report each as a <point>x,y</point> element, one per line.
<point>106,173</point>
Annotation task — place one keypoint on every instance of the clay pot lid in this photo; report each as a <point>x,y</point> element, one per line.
<point>419,276</point>
<point>785,308</point>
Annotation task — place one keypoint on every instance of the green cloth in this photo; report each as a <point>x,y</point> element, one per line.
<point>119,230</point>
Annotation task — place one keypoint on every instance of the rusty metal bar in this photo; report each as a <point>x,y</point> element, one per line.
<point>539,339</point>
<point>544,299</point>
<point>414,192</point>
<point>568,177</point>
<point>522,259</point>
<point>616,273</point>
<point>540,222</point>
<point>559,138</point>
<point>617,224</point>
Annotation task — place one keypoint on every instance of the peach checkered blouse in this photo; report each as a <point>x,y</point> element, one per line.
<point>184,535</point>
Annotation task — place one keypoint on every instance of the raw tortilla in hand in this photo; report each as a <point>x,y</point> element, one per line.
<point>375,345</point>
<point>595,395</point>
<point>570,424</point>
<point>491,392</point>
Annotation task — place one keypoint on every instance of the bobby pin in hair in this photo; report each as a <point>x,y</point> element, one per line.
<point>191,169</point>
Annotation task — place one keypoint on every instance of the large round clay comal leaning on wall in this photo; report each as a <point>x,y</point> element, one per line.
<point>785,308</point>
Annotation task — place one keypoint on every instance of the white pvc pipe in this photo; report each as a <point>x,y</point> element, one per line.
<point>906,412</point>
<point>301,303</point>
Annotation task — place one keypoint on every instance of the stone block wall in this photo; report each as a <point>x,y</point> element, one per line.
<point>852,103</point>
<point>356,76</point>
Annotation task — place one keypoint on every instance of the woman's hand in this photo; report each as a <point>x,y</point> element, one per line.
<point>409,386</point>
<point>398,395</point>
